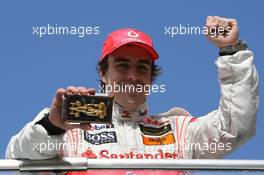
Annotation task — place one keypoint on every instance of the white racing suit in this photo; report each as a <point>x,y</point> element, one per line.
<point>171,135</point>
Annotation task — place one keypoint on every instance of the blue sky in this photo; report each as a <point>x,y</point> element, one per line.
<point>33,67</point>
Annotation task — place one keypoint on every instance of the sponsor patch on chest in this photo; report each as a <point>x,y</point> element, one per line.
<point>162,140</point>
<point>100,138</point>
<point>155,131</point>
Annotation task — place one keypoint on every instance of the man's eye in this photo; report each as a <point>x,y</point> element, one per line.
<point>143,68</point>
<point>122,66</point>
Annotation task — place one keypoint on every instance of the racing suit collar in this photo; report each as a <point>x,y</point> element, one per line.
<point>120,113</point>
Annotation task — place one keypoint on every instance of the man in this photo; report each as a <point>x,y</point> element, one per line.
<point>128,58</point>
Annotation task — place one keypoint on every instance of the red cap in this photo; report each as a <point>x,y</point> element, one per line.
<point>121,37</point>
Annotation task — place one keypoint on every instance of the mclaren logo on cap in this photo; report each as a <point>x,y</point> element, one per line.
<point>133,34</point>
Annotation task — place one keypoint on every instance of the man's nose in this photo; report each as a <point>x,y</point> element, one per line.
<point>133,74</point>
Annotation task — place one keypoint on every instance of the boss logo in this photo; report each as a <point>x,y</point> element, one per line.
<point>100,138</point>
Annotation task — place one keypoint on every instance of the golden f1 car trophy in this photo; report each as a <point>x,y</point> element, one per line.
<point>78,109</point>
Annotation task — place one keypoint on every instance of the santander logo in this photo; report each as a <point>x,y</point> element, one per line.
<point>89,154</point>
<point>105,154</point>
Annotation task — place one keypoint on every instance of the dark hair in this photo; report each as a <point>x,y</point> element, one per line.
<point>102,66</point>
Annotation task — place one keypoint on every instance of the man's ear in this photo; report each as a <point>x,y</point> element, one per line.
<point>103,76</point>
